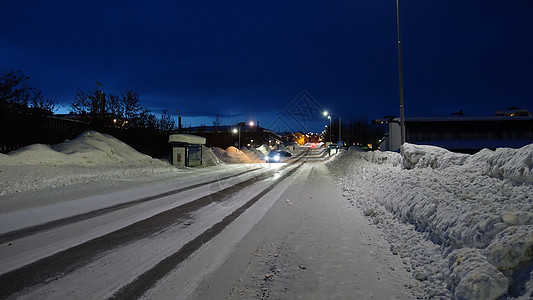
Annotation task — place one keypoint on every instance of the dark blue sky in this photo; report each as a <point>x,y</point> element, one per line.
<point>227,58</point>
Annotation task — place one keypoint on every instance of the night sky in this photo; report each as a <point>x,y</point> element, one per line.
<point>278,62</point>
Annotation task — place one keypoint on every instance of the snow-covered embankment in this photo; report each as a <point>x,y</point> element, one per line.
<point>477,209</point>
<point>91,156</point>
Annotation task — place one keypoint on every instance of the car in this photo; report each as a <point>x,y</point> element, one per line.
<point>276,156</point>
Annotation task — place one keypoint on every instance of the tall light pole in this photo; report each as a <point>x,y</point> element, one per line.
<point>340,123</point>
<point>329,117</point>
<point>400,70</point>
<point>235,130</point>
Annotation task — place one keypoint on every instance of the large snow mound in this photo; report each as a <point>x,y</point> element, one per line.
<point>91,156</point>
<point>422,156</point>
<point>209,158</point>
<point>478,209</point>
<point>264,149</point>
<point>88,148</point>
<point>504,163</point>
<point>233,155</point>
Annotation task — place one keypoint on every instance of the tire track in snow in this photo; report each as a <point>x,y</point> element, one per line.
<point>59,264</point>
<point>148,279</point>
<point>23,232</point>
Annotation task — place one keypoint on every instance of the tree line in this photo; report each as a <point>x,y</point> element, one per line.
<point>92,106</point>
<point>15,89</point>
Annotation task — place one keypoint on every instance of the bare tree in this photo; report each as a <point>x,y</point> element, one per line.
<point>166,123</point>
<point>131,105</point>
<point>86,104</point>
<point>126,106</point>
<point>15,89</point>
<point>115,106</point>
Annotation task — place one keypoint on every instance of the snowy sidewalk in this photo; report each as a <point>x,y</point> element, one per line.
<point>311,245</point>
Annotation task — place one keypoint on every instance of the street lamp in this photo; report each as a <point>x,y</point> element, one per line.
<point>325,113</point>
<point>235,130</point>
<point>400,70</point>
<point>329,117</point>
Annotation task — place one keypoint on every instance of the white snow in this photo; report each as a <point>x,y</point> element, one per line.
<point>264,149</point>
<point>477,209</point>
<point>89,148</point>
<point>90,157</point>
<point>463,224</point>
<point>209,158</point>
<point>233,155</point>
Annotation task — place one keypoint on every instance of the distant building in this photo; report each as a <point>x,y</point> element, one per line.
<point>109,120</point>
<point>511,128</point>
<point>514,112</point>
<point>224,136</point>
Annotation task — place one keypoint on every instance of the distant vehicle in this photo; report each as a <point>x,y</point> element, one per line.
<point>314,145</point>
<point>276,156</point>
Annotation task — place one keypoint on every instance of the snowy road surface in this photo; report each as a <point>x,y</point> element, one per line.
<point>253,231</point>
<point>93,218</point>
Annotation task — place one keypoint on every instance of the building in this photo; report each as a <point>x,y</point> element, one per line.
<point>462,133</point>
<point>224,136</point>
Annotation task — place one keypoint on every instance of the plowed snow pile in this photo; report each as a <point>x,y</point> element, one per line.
<point>477,211</point>
<point>233,155</point>
<point>90,156</point>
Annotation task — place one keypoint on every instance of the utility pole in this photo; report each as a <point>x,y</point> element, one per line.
<point>400,70</point>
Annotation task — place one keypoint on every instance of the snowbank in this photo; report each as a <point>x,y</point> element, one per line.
<point>233,155</point>
<point>89,148</point>
<point>421,156</point>
<point>504,163</point>
<point>91,156</point>
<point>264,149</point>
<point>209,158</point>
<point>254,153</point>
<point>478,209</point>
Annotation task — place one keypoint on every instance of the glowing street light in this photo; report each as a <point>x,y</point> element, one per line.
<point>251,123</point>
<point>329,117</point>
<point>235,130</point>
<point>325,113</point>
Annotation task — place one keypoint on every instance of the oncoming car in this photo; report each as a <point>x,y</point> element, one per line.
<point>276,156</point>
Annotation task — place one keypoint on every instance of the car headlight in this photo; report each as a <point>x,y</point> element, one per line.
<point>267,158</point>
<point>277,157</point>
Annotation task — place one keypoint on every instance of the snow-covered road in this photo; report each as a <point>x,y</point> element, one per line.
<point>93,218</point>
<point>310,245</point>
<point>170,238</point>
<point>50,241</point>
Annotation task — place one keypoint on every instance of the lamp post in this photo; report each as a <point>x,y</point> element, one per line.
<point>235,130</point>
<point>400,70</point>
<point>325,113</point>
<point>329,117</point>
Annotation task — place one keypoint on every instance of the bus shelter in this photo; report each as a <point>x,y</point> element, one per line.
<point>186,149</point>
